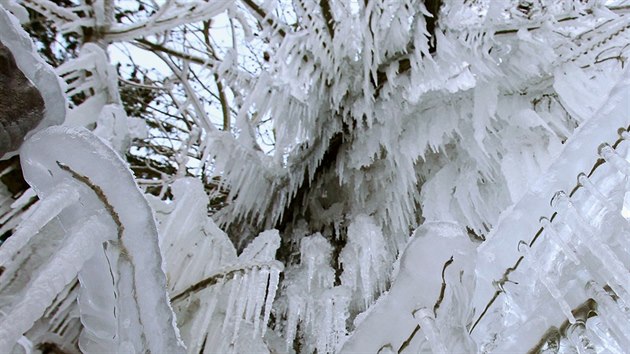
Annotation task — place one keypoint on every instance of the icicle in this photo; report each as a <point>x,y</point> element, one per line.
<point>324,329</point>
<point>241,301</point>
<point>316,253</point>
<point>425,319</point>
<point>78,248</point>
<point>253,288</point>
<point>610,155</point>
<point>205,313</point>
<point>579,338</point>
<point>232,298</point>
<point>64,195</point>
<point>129,324</point>
<point>97,305</point>
<point>559,240</point>
<point>625,208</point>
<point>261,290</point>
<point>602,333</point>
<point>592,189</point>
<point>365,256</point>
<point>541,273</point>
<point>294,313</point>
<point>601,251</point>
<point>274,277</point>
<point>610,312</point>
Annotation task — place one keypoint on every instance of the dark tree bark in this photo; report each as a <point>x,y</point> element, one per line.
<point>21,104</point>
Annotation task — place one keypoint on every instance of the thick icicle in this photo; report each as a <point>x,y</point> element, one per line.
<point>588,236</point>
<point>557,238</point>
<point>578,336</point>
<point>610,313</point>
<point>64,195</point>
<point>426,321</point>
<point>79,247</point>
<point>97,305</point>
<point>274,277</point>
<point>585,182</point>
<point>610,155</point>
<point>536,265</point>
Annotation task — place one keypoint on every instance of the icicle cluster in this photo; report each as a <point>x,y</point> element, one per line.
<point>219,298</point>
<point>375,112</point>
<point>431,290</point>
<point>365,260</point>
<point>573,272</point>
<point>457,121</point>
<point>311,300</point>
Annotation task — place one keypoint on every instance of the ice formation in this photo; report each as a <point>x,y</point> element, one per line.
<point>142,317</point>
<point>365,260</point>
<point>495,138</point>
<point>438,261</point>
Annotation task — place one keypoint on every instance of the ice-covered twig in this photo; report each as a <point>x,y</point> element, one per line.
<point>224,273</point>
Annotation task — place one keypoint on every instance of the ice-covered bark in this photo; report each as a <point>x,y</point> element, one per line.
<point>31,95</point>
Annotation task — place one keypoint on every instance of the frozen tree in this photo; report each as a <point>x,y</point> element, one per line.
<point>315,176</point>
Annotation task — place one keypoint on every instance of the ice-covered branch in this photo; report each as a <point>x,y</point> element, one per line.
<point>178,13</point>
<point>60,155</point>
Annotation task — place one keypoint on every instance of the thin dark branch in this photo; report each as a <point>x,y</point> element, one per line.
<point>145,44</point>
<point>225,108</point>
<point>328,17</point>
